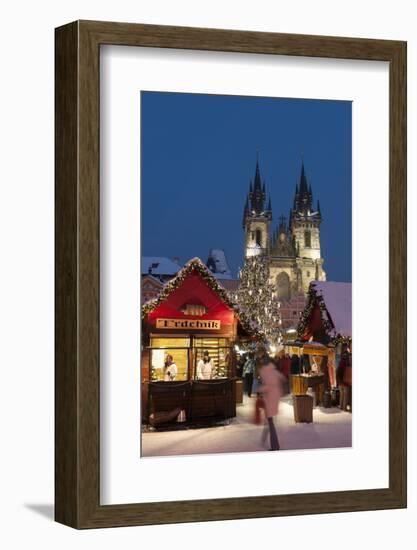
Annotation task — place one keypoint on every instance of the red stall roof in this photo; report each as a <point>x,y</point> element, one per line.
<point>195,284</point>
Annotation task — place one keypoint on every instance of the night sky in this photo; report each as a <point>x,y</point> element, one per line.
<point>199,153</point>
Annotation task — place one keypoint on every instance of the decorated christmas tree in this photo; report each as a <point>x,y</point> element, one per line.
<point>256,296</point>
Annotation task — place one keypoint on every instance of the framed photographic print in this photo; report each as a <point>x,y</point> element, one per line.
<point>230,274</point>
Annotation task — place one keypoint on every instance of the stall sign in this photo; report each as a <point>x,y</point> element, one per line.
<point>191,324</point>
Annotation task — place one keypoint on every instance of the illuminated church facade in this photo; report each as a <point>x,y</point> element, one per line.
<point>292,247</point>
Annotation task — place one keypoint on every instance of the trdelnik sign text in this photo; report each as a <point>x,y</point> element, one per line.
<point>192,324</point>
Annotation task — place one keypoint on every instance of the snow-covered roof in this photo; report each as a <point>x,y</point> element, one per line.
<point>337,298</point>
<point>151,279</point>
<point>156,265</point>
<point>217,264</point>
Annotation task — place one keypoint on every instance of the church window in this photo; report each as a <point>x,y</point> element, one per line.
<point>307,239</point>
<point>308,274</point>
<point>258,237</point>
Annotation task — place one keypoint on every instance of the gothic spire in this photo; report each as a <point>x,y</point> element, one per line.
<point>303,194</point>
<point>257,181</point>
<point>295,203</point>
<point>258,194</point>
<point>303,180</point>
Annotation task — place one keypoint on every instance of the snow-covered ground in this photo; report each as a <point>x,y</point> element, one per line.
<point>330,428</point>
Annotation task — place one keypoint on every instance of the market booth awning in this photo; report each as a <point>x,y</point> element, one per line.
<point>307,348</point>
<point>315,348</point>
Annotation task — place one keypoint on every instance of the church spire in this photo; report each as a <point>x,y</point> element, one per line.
<point>318,207</point>
<point>303,194</point>
<point>303,180</point>
<point>258,193</point>
<point>257,180</point>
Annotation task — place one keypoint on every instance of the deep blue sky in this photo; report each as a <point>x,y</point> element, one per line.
<point>199,153</point>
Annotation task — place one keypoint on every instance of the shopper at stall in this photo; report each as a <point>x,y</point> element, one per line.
<point>170,369</point>
<point>271,390</point>
<point>248,371</point>
<point>205,367</point>
<point>295,364</point>
<point>239,365</point>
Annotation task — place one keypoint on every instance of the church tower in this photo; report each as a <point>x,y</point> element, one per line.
<point>292,249</point>
<point>257,216</point>
<point>305,228</point>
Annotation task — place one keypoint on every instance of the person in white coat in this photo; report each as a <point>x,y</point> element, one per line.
<point>170,369</point>
<point>205,367</point>
<point>271,389</point>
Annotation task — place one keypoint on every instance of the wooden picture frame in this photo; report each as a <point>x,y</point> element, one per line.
<point>77,405</point>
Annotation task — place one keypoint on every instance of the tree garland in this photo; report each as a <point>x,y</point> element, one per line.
<point>195,264</point>
<point>339,339</point>
<point>314,299</point>
<point>257,297</point>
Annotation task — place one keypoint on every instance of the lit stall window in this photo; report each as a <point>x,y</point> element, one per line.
<point>216,350</point>
<point>169,359</point>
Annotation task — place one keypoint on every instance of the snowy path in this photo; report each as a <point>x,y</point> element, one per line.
<point>330,428</point>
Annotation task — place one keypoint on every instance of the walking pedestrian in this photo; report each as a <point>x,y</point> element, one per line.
<point>271,390</point>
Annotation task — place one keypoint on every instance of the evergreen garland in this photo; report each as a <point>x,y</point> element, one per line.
<point>313,298</point>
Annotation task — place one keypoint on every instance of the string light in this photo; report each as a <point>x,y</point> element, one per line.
<point>256,297</point>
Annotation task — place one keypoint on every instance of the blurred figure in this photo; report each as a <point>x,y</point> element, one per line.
<point>271,390</point>
<point>283,366</point>
<point>239,365</point>
<point>248,370</point>
<point>286,365</point>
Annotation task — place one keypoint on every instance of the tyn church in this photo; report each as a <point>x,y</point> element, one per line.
<point>293,248</point>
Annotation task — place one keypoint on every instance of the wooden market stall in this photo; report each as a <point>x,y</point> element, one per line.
<point>313,368</point>
<point>189,333</point>
<point>325,340</point>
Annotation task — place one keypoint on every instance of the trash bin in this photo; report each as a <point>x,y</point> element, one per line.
<point>303,408</point>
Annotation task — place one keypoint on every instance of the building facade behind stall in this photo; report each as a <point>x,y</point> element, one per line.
<point>155,272</point>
